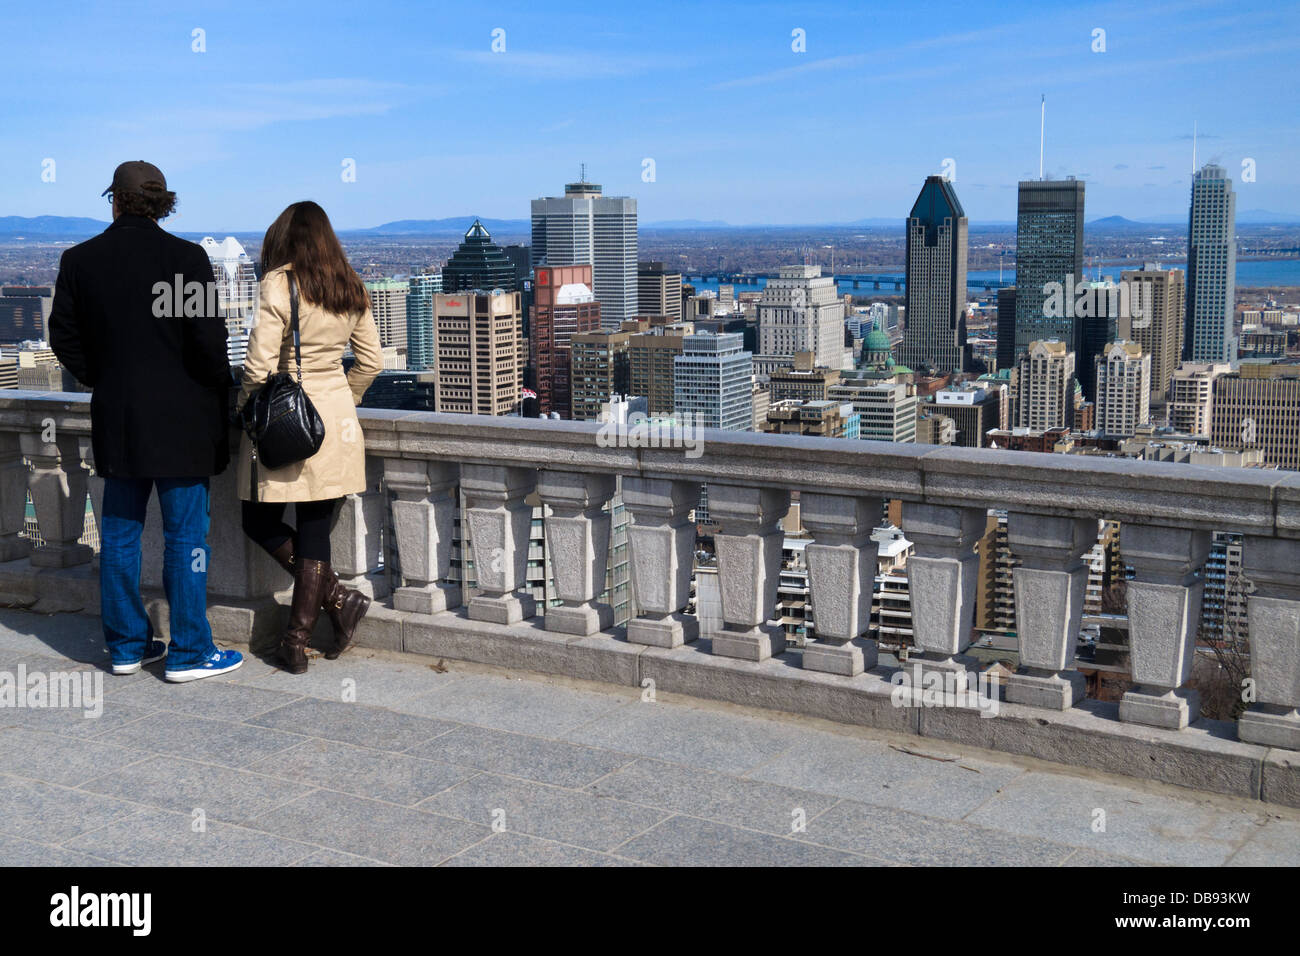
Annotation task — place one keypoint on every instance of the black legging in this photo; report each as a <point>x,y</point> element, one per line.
<point>264,523</point>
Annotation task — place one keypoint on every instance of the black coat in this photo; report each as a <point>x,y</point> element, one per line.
<point>161,383</point>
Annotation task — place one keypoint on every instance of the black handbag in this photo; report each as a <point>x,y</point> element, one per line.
<point>280,420</point>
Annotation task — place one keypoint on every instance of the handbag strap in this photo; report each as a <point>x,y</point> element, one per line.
<point>293,323</point>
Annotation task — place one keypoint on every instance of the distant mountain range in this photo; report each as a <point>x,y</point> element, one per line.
<point>75,227</point>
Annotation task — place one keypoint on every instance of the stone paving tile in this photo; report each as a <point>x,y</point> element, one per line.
<point>212,697</point>
<point>518,705</point>
<point>580,819</point>
<point>375,681</point>
<point>902,837</point>
<point>685,841</point>
<point>1276,843</point>
<point>73,721</point>
<point>155,837</point>
<point>688,735</point>
<point>48,814</point>
<point>1145,826</point>
<point>372,829</point>
<point>201,738</point>
<point>18,852</point>
<point>393,778</point>
<point>358,724</point>
<point>68,636</point>
<point>515,849</point>
<point>1093,858</point>
<point>61,759</point>
<point>547,761</point>
<point>185,786</point>
<point>715,796</point>
<point>870,771</point>
<point>335,858</point>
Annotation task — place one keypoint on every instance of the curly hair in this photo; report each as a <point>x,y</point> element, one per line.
<point>154,203</point>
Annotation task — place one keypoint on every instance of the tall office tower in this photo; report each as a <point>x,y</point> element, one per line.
<point>652,354</point>
<point>563,306</point>
<point>478,263</point>
<point>1123,374</point>
<point>711,381</point>
<point>975,410</point>
<point>419,319</point>
<point>1049,249</point>
<point>886,411</point>
<point>801,312</point>
<point>521,257</point>
<point>1258,406</point>
<point>1211,268</point>
<point>1045,386</point>
<point>935,335</point>
<point>1191,397</point>
<point>476,354</point>
<point>236,278</point>
<point>1156,309</point>
<point>388,306</point>
<point>1006,355</point>
<point>600,370</point>
<point>583,226</point>
<point>1225,599</point>
<point>25,313</point>
<point>658,291</point>
<point>1102,319</point>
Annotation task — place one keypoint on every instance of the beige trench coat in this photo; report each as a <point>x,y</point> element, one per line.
<point>339,467</point>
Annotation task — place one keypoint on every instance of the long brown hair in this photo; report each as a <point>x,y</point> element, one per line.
<point>302,237</point>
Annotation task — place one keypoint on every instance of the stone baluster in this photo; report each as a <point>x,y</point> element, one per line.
<point>13,499</point>
<point>661,545</point>
<point>1050,586</point>
<point>1272,566</point>
<point>749,568</point>
<point>577,543</point>
<point>841,575</point>
<point>424,523</point>
<point>57,484</point>
<point>357,536</point>
<point>942,576</point>
<point>499,519</point>
<point>1164,610</point>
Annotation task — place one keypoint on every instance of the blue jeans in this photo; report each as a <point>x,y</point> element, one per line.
<point>127,630</point>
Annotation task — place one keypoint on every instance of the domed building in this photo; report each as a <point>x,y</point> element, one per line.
<point>876,349</point>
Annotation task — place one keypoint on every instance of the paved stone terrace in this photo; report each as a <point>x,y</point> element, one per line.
<point>414,772</point>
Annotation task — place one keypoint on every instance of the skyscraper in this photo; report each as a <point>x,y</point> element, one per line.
<point>563,306</point>
<point>1046,387</point>
<point>1157,310</point>
<point>419,319</point>
<point>711,379</point>
<point>1123,375</point>
<point>801,312</point>
<point>1049,249</point>
<point>584,227</point>
<point>479,263</point>
<point>1006,355</point>
<point>659,291</point>
<point>935,334</point>
<point>1211,268</point>
<point>236,277</point>
<point>599,361</point>
<point>652,353</point>
<point>477,356</point>
<point>388,306</point>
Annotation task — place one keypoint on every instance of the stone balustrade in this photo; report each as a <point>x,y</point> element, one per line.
<point>398,537</point>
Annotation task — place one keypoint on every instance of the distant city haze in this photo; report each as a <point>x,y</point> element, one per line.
<point>776,113</point>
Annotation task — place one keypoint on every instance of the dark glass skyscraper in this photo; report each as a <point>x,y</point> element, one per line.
<point>1049,249</point>
<point>478,263</point>
<point>935,334</point>
<point>1211,268</point>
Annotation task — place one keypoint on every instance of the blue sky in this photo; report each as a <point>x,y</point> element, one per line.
<point>740,126</point>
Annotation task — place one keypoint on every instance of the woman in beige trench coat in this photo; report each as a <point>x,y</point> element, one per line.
<point>333,312</point>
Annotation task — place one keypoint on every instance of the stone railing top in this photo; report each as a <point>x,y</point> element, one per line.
<point>1255,501</point>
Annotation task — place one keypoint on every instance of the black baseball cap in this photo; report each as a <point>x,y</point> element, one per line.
<point>135,176</point>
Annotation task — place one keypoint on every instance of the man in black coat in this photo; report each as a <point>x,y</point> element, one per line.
<point>136,318</point>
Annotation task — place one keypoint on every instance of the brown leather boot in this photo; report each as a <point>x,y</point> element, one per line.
<point>344,606</point>
<point>309,580</point>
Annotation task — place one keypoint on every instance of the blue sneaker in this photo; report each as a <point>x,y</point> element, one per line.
<point>221,662</point>
<point>156,651</point>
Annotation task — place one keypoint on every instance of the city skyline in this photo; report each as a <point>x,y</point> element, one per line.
<point>265,115</point>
